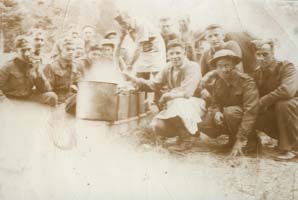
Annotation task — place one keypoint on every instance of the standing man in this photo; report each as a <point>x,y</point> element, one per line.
<point>150,54</point>
<point>234,106</point>
<point>20,78</point>
<point>215,36</point>
<point>278,85</point>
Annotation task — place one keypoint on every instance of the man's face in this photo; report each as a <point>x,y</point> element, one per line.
<point>94,55</point>
<point>215,37</point>
<point>39,41</point>
<point>25,54</point>
<point>183,24</point>
<point>264,57</point>
<point>88,33</point>
<point>124,22</point>
<point>166,28</point>
<point>176,55</point>
<point>225,66</point>
<point>107,51</point>
<point>68,52</point>
<point>80,51</point>
<point>203,46</point>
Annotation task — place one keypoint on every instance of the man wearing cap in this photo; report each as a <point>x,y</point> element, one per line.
<point>234,106</point>
<point>180,111</point>
<point>110,34</point>
<point>64,72</point>
<point>215,36</point>
<point>22,79</point>
<point>278,85</point>
<point>93,56</point>
<point>150,54</point>
<point>107,49</point>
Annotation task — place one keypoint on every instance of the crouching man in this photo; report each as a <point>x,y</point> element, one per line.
<point>278,85</point>
<point>64,73</point>
<point>22,79</point>
<point>234,106</point>
<point>180,110</point>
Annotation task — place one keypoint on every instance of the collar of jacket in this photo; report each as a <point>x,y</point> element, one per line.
<point>184,63</point>
<point>21,65</point>
<point>271,69</point>
<point>64,63</point>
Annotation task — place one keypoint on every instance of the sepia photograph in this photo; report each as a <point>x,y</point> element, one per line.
<point>149,100</point>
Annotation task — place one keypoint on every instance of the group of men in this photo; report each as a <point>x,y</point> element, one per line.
<point>206,84</point>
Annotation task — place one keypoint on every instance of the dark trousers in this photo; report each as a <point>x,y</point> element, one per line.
<point>281,122</point>
<point>47,98</point>
<point>70,105</point>
<point>232,120</point>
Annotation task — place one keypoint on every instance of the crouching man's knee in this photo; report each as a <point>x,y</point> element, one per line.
<point>50,98</point>
<point>232,113</point>
<point>160,127</point>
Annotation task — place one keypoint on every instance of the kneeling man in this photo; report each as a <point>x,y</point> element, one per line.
<point>234,104</point>
<point>177,81</point>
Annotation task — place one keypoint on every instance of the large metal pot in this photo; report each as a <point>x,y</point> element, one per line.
<point>97,101</point>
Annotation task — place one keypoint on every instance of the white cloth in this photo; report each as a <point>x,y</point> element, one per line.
<point>190,110</point>
<point>155,59</point>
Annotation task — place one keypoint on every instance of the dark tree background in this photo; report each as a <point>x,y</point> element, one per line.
<point>54,16</point>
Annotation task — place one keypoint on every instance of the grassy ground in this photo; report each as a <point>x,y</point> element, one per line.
<point>46,154</point>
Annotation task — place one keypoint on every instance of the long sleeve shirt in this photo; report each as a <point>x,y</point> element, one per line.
<point>183,80</point>
<point>18,79</point>
<point>277,82</point>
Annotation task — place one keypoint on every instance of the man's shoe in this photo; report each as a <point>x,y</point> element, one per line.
<point>253,143</point>
<point>181,147</point>
<point>286,156</point>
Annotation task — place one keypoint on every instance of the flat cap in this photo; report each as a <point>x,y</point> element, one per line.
<point>263,44</point>
<point>23,42</point>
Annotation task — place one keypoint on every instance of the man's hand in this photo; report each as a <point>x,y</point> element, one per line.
<point>237,149</point>
<point>74,88</point>
<point>3,99</point>
<point>218,118</point>
<point>165,98</point>
<point>262,107</point>
<point>205,94</point>
<point>130,77</point>
<point>207,78</point>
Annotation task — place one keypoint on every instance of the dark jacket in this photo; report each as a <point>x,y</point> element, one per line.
<point>277,82</point>
<point>241,91</point>
<point>18,79</point>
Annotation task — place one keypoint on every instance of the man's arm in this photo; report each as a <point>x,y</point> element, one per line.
<point>287,88</point>
<point>204,63</point>
<point>250,109</point>
<point>136,55</point>
<point>4,75</point>
<point>189,84</point>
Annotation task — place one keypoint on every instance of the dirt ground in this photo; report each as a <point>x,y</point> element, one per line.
<point>46,154</point>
